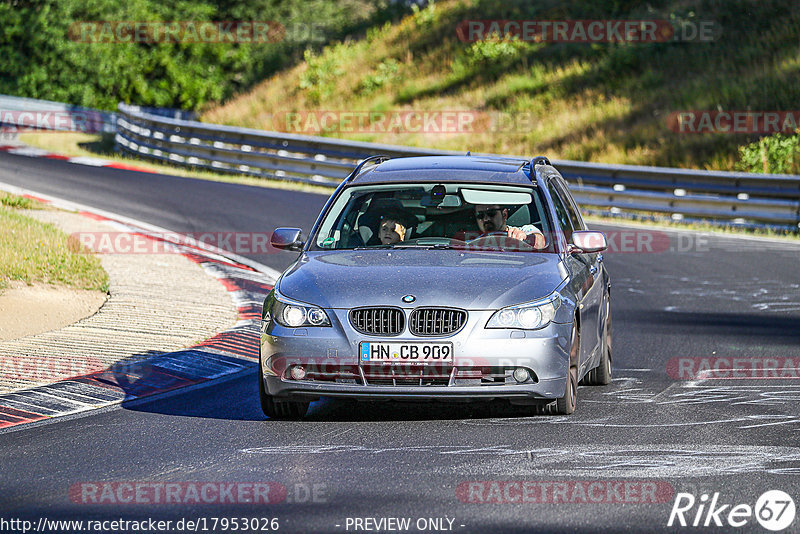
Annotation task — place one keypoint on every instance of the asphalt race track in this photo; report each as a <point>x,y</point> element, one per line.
<point>616,465</point>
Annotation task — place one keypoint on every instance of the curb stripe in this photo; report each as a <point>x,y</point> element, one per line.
<point>11,417</point>
<point>30,152</point>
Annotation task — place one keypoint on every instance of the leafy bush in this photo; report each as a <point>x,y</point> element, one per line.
<point>775,154</point>
<point>321,74</point>
<point>425,17</point>
<point>386,72</point>
<point>15,201</point>
<point>491,54</point>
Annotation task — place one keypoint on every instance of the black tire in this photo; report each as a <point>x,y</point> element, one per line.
<point>601,375</point>
<point>291,410</point>
<point>566,404</point>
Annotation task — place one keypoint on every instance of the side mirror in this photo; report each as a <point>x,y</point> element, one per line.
<point>586,241</point>
<point>287,239</point>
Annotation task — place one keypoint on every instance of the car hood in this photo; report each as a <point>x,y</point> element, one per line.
<point>469,280</point>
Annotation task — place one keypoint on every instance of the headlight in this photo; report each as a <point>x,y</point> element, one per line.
<point>528,316</point>
<point>295,314</point>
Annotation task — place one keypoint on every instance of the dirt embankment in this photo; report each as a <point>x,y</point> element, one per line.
<point>26,310</point>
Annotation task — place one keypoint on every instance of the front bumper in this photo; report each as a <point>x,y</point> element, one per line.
<point>334,352</point>
<point>310,390</point>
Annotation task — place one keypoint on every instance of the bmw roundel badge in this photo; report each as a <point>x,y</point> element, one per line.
<point>409,298</point>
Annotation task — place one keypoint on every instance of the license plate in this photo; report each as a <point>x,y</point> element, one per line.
<point>407,353</point>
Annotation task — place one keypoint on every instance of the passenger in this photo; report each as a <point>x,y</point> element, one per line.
<point>391,230</point>
<point>493,219</point>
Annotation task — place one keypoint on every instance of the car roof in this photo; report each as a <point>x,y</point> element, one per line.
<point>478,169</point>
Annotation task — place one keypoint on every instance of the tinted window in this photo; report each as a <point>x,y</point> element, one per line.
<point>570,206</point>
<point>562,215</point>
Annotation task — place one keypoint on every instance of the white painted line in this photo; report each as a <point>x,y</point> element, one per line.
<point>62,398</point>
<point>93,162</point>
<point>28,151</point>
<point>737,387</point>
<point>787,422</point>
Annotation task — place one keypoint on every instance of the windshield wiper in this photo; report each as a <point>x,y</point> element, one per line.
<point>438,246</point>
<point>374,247</point>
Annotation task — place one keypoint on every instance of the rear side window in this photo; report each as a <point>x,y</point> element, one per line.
<point>570,206</point>
<point>563,216</point>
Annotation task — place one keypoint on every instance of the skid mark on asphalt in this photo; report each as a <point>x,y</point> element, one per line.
<point>745,421</point>
<point>760,294</point>
<point>763,392</point>
<point>576,460</point>
<point>654,461</point>
<point>645,404</point>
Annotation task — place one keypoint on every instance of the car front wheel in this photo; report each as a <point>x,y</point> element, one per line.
<point>601,375</point>
<point>566,405</point>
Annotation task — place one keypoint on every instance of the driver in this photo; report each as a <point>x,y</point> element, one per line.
<point>492,218</point>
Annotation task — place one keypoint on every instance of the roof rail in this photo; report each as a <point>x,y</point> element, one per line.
<point>376,159</point>
<point>540,160</point>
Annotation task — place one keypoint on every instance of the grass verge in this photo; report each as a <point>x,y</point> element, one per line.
<point>32,251</point>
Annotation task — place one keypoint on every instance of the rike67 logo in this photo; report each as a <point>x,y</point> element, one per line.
<point>774,510</point>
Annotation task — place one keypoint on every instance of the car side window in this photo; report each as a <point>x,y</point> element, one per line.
<point>562,214</point>
<point>571,207</point>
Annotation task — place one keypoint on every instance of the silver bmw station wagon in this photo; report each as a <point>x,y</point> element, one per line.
<point>440,277</point>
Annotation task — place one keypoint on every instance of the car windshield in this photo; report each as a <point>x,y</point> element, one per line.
<point>436,216</point>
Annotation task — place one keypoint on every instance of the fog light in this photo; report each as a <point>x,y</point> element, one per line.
<point>297,372</point>
<point>521,374</point>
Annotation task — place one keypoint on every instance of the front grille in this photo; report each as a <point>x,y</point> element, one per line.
<point>436,321</point>
<point>400,375</point>
<point>378,321</point>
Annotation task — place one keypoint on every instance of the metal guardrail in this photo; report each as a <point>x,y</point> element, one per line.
<point>168,135</point>
<point>29,114</point>
<point>727,197</point>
